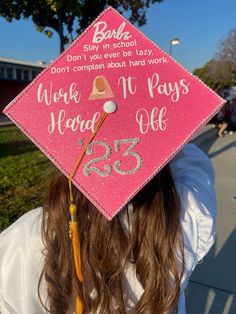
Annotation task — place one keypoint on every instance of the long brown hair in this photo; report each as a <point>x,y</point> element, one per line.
<point>151,245</point>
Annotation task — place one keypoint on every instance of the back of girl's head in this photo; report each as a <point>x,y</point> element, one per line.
<point>149,242</point>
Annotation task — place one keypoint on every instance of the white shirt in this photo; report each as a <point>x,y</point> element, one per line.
<point>21,244</point>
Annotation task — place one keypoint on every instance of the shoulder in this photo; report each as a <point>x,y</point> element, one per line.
<point>20,263</point>
<point>28,224</point>
<point>191,160</point>
<point>24,234</point>
<point>22,237</point>
<point>193,174</point>
<point>194,177</point>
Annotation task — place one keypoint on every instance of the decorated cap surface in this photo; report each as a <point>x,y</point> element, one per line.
<point>154,107</point>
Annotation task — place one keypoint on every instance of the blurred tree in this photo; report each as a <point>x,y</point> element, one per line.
<point>217,74</point>
<point>221,71</point>
<point>65,16</point>
<point>227,48</point>
<point>203,74</point>
<point>226,55</point>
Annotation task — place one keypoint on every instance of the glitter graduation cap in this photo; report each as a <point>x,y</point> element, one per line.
<point>115,100</point>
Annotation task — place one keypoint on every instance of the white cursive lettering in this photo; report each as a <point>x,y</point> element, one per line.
<point>102,33</point>
<point>171,89</point>
<point>154,120</point>
<point>61,124</point>
<point>48,95</point>
<point>128,82</point>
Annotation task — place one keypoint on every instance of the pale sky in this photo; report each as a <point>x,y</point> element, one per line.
<point>199,25</point>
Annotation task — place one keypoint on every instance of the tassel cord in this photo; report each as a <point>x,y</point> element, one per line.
<point>74,234</point>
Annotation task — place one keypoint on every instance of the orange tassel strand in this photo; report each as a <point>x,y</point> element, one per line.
<point>74,234</point>
<point>75,241</point>
<point>76,251</point>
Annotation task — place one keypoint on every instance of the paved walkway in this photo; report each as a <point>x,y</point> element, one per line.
<point>212,288</point>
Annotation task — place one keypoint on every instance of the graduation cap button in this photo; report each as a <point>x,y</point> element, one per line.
<point>109,106</point>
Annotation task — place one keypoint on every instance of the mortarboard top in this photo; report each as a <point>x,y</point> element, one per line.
<point>157,105</point>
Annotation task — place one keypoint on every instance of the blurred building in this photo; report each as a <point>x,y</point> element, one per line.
<point>15,75</point>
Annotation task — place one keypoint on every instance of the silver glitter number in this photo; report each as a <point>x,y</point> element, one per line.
<point>87,168</point>
<point>116,166</point>
<point>127,153</point>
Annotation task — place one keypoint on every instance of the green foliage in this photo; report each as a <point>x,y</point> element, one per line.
<point>203,74</point>
<point>68,15</point>
<point>221,71</point>
<point>24,172</point>
<point>212,75</point>
<point>217,74</point>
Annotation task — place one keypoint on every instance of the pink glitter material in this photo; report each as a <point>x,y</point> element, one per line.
<point>159,107</point>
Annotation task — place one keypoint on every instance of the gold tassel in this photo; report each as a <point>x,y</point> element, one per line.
<point>73,221</point>
<point>78,306</point>
<point>76,252</point>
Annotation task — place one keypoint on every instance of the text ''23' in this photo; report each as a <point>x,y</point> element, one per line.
<point>117,165</point>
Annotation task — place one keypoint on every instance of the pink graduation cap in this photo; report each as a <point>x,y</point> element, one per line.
<point>118,97</point>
